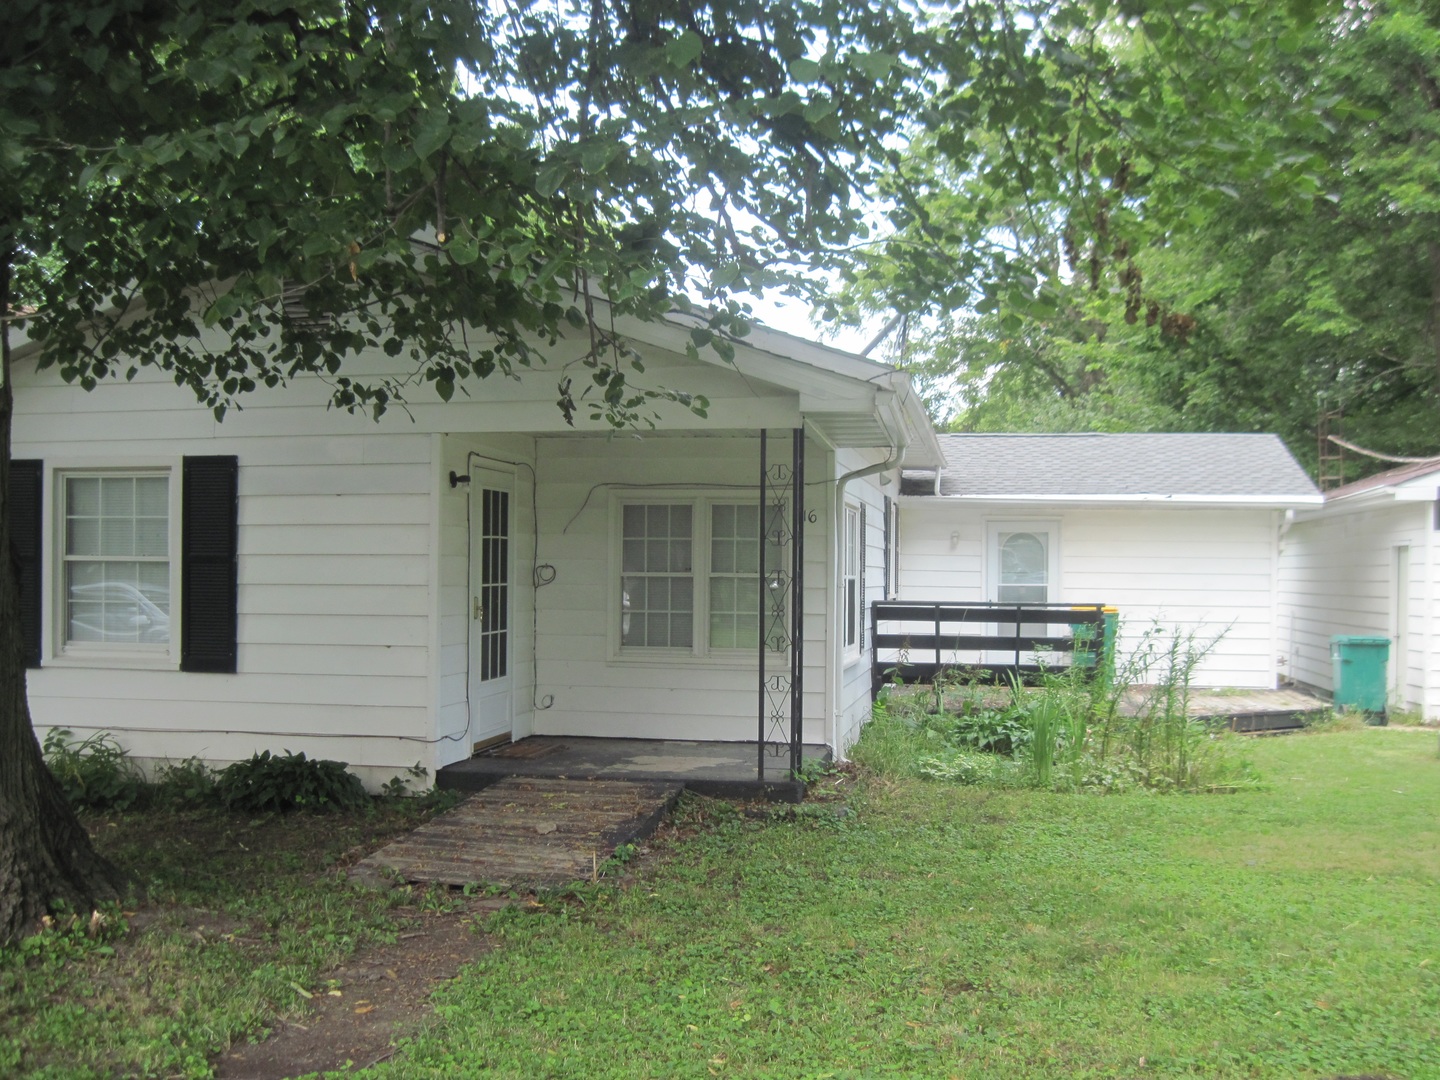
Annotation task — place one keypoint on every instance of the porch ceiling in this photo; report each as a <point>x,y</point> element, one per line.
<point>851,430</point>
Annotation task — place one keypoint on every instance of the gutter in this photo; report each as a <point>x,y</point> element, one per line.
<point>1278,502</point>
<point>898,445</point>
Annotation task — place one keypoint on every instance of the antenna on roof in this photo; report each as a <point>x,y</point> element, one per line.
<point>1332,451</point>
<point>883,334</point>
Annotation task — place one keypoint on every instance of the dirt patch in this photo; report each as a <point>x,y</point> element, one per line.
<point>381,995</point>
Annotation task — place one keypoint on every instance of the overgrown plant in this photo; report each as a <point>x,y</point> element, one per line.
<point>186,783</point>
<point>1076,728</point>
<point>280,782</point>
<point>94,773</point>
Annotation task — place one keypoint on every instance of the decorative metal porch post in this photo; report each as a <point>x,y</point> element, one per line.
<point>781,647</point>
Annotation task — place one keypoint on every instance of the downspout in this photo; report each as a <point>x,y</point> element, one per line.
<point>898,445</point>
<point>1430,624</point>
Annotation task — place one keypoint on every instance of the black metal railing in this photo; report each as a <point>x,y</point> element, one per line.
<point>914,641</point>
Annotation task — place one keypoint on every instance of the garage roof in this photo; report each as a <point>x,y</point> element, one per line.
<point>1188,467</point>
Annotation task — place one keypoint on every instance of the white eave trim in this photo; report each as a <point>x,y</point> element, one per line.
<point>1271,501</point>
<point>1356,501</point>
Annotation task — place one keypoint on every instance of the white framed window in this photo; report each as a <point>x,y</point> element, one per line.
<point>658,576</point>
<point>689,577</point>
<point>116,568</point>
<point>852,565</point>
<point>1023,562</point>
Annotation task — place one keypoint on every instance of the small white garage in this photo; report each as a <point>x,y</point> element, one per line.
<point>1368,562</point>
<point>1180,530</point>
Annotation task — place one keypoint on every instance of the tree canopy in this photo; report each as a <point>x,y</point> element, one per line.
<point>1232,242</point>
<point>436,170</point>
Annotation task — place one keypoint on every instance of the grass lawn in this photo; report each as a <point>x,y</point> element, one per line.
<point>244,915</point>
<point>939,930</point>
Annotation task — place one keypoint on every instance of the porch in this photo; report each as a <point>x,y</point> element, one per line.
<point>728,770</point>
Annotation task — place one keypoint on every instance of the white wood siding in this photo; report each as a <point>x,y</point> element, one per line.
<point>1206,572</point>
<point>334,607</point>
<point>854,701</point>
<point>1337,576</point>
<point>590,687</point>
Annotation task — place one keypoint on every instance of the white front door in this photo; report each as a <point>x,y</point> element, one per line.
<point>492,710</point>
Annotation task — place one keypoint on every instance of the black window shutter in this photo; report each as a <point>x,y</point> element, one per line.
<point>27,547</point>
<point>208,535</point>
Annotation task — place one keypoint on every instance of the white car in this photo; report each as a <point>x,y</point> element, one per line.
<point>117,611</point>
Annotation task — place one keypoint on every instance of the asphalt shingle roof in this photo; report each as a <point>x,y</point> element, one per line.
<point>1203,464</point>
<point>1398,475</point>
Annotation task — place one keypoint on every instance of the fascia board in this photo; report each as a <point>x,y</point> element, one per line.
<point>1414,491</point>
<point>827,380</point>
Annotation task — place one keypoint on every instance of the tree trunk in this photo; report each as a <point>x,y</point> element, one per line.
<point>45,853</point>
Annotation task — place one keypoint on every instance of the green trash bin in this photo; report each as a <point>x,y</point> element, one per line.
<point>1360,674</point>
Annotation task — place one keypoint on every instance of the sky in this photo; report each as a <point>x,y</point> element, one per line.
<point>793,317</point>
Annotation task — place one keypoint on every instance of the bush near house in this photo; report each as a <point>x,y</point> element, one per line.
<point>1073,730</point>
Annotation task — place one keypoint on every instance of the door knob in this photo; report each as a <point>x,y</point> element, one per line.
<point>479,611</point>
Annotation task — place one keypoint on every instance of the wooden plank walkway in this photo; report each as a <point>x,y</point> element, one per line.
<point>1245,711</point>
<point>524,831</point>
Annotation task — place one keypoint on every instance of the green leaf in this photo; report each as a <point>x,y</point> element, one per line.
<point>876,64</point>
<point>685,49</point>
<point>804,71</point>
<point>463,251</point>
<point>432,137</point>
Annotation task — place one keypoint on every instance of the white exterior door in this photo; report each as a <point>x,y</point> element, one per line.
<point>492,708</point>
<point>1022,570</point>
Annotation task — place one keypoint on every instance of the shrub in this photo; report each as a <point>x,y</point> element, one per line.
<point>185,783</point>
<point>994,731</point>
<point>95,774</point>
<point>288,781</point>
<point>1071,731</point>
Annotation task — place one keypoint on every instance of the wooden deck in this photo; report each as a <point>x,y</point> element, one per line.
<point>524,831</point>
<point>1254,711</point>
<point>1245,711</point>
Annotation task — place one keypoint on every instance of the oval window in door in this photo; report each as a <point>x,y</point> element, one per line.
<point>1024,568</point>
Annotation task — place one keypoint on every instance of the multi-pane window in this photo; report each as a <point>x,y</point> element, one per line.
<point>117,558</point>
<point>851,576</point>
<point>657,588</point>
<point>734,576</point>
<point>694,567</point>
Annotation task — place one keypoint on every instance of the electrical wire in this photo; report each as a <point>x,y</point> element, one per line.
<point>289,734</point>
<point>671,487</point>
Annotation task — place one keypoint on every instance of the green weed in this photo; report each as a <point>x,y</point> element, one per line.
<point>95,773</point>
<point>1069,731</point>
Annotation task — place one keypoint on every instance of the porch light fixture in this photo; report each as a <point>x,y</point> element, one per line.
<point>456,479</point>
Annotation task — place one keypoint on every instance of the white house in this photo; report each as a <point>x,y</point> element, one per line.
<point>1180,530</point>
<point>1368,562</point>
<point>459,573</point>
